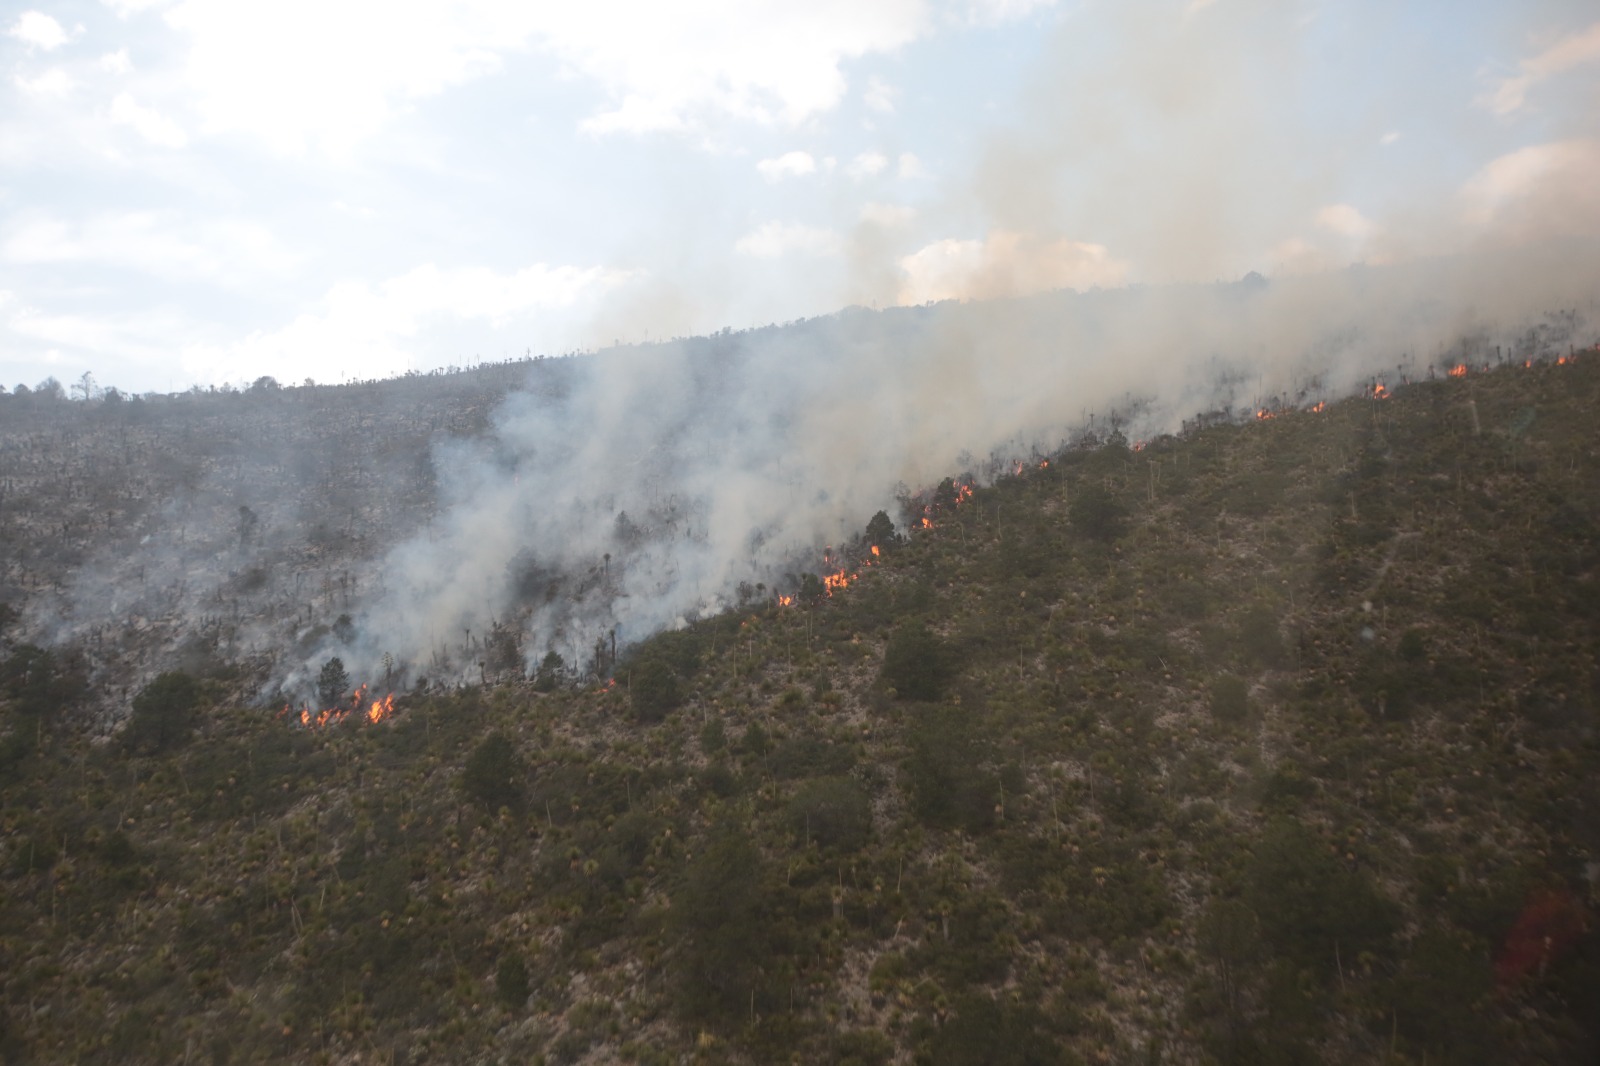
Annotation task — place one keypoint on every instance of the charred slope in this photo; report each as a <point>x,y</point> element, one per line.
<point>1275,743</point>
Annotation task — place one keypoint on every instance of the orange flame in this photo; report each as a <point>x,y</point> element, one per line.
<point>375,712</point>
<point>875,553</point>
<point>1321,405</point>
<point>1263,414</point>
<point>1380,391</point>
<point>785,601</point>
<point>838,580</point>
<point>1459,370</point>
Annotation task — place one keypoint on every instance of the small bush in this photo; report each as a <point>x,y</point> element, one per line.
<point>511,981</point>
<point>1097,514</point>
<point>833,811</point>
<point>494,774</point>
<point>655,691</point>
<point>916,664</point>
<point>1260,638</point>
<point>1230,699</point>
<point>713,736</point>
<point>164,712</point>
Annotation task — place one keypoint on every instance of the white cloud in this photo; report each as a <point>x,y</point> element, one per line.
<point>1345,221</point>
<point>911,167</point>
<point>773,239</point>
<point>53,82</point>
<point>1004,264</point>
<point>1543,190</point>
<point>38,30</point>
<point>997,12</point>
<point>365,330</point>
<point>674,66</point>
<point>889,216</point>
<point>325,74</point>
<point>116,62</point>
<point>1575,49</point>
<point>228,251</point>
<point>1389,138</point>
<point>109,344</point>
<point>152,125</point>
<point>880,96</point>
<point>867,164</point>
<point>788,165</point>
<point>124,8</point>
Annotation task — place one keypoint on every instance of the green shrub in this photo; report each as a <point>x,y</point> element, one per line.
<point>494,774</point>
<point>654,689</point>
<point>511,981</point>
<point>1314,909</point>
<point>164,712</point>
<point>1097,513</point>
<point>1230,698</point>
<point>1260,638</point>
<point>833,811</point>
<point>333,683</point>
<point>718,919</point>
<point>985,1031</point>
<point>809,756</point>
<point>916,664</point>
<point>713,736</point>
<point>950,785</point>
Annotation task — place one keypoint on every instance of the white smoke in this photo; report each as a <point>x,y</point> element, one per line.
<point>734,456</point>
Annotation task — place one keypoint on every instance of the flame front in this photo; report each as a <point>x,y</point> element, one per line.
<point>837,580</point>
<point>357,705</point>
<point>381,709</point>
<point>1459,370</point>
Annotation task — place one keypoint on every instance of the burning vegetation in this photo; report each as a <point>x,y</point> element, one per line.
<point>356,708</point>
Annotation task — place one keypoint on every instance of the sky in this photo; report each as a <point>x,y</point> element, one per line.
<point>199,192</point>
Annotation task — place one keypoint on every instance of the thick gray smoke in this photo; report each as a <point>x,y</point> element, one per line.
<point>672,473</point>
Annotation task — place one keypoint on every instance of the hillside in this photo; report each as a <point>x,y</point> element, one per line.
<point>201,529</point>
<point>1270,743</point>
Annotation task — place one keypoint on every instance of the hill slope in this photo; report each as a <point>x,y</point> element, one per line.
<point>1275,743</point>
